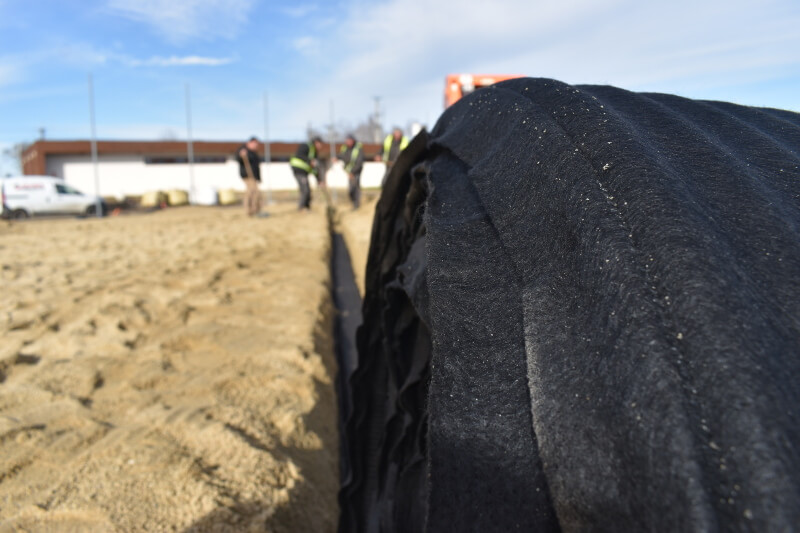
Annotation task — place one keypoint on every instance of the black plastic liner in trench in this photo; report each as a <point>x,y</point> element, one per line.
<point>582,312</point>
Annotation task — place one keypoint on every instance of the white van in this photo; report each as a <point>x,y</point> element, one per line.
<point>23,196</point>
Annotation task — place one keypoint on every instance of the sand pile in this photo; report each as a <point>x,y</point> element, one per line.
<point>170,371</point>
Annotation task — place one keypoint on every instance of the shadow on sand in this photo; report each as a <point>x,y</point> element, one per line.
<point>312,504</point>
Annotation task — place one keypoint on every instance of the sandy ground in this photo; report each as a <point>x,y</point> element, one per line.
<point>167,372</point>
<point>356,228</point>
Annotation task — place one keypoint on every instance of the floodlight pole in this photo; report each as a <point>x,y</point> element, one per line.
<point>98,207</point>
<point>333,153</point>
<point>189,143</point>
<point>267,149</point>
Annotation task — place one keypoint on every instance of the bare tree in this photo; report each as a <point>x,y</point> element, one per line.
<point>368,130</point>
<point>168,134</point>
<point>312,132</point>
<point>15,152</point>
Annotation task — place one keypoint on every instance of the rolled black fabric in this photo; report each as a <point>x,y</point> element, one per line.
<point>387,432</point>
<point>602,290</point>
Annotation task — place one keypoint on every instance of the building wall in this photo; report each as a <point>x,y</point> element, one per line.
<point>130,175</point>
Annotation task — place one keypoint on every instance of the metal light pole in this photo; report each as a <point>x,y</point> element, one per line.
<point>98,207</point>
<point>267,150</point>
<point>189,144</point>
<point>333,153</point>
<point>377,130</point>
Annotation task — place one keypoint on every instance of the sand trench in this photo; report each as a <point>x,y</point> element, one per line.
<point>168,372</point>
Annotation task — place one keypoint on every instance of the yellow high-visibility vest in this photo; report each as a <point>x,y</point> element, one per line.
<point>296,162</point>
<point>353,155</point>
<point>387,145</point>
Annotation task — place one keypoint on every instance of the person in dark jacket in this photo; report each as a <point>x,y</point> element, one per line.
<point>352,155</point>
<point>250,172</point>
<point>303,163</point>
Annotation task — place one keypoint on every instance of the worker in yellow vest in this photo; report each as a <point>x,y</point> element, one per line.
<point>303,163</point>
<point>393,144</point>
<point>351,154</point>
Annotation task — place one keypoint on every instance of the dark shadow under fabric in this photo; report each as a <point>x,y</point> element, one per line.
<point>347,301</point>
<point>583,313</point>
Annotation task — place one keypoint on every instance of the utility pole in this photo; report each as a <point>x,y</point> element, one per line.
<point>377,131</point>
<point>332,148</point>
<point>189,143</point>
<point>98,207</point>
<point>267,149</point>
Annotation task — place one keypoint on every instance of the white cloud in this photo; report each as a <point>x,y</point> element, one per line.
<point>18,68</point>
<point>173,61</point>
<point>179,21</point>
<point>299,11</point>
<point>10,71</point>
<point>424,33</point>
<point>306,45</point>
<point>402,49</point>
<point>80,55</point>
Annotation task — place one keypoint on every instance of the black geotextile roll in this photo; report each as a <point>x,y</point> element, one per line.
<point>583,313</point>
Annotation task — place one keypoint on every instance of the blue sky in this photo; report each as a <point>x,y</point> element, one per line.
<point>142,53</point>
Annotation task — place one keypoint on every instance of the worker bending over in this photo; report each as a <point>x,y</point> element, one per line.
<point>352,155</point>
<point>303,163</point>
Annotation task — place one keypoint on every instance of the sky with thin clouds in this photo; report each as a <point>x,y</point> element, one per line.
<point>314,57</point>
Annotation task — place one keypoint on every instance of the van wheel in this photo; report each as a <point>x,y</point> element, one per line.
<point>91,210</point>
<point>19,214</point>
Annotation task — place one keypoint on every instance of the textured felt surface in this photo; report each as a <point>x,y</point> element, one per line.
<point>594,296</point>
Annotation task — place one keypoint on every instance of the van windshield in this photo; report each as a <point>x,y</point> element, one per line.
<point>66,189</point>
